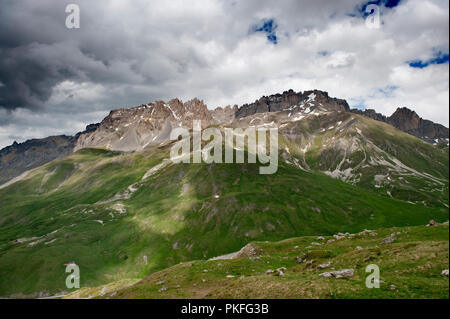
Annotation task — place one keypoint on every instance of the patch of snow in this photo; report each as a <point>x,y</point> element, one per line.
<point>311,97</point>
<point>298,118</point>
<point>173,113</point>
<point>342,175</point>
<point>303,150</point>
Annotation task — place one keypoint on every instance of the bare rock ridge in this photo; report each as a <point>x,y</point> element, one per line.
<point>135,128</point>
<point>288,99</point>
<point>408,121</point>
<point>132,129</point>
<point>403,118</point>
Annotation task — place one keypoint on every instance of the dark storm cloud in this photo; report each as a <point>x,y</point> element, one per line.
<point>144,43</point>
<point>27,78</point>
<point>37,52</point>
<point>27,82</point>
<point>55,81</point>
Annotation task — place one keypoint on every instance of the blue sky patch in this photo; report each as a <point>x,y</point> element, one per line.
<point>385,3</point>
<point>267,26</point>
<point>357,103</point>
<point>361,102</point>
<point>439,58</point>
<point>388,90</point>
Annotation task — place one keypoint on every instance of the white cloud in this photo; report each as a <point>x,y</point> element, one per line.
<point>127,54</point>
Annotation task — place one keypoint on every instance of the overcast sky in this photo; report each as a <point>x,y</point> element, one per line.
<point>55,80</point>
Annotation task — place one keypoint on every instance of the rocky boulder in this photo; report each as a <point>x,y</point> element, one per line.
<point>344,273</point>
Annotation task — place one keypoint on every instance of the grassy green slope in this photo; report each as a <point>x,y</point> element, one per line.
<point>81,208</point>
<point>410,267</point>
<point>360,150</point>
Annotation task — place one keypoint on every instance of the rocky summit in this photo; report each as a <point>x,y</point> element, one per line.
<point>408,121</point>
<point>289,100</point>
<point>135,128</point>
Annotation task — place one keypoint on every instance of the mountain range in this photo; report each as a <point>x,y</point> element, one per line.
<point>110,201</point>
<point>139,125</point>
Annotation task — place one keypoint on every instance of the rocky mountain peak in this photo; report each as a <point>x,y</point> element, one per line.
<point>132,129</point>
<point>315,99</point>
<point>405,119</point>
<point>410,122</point>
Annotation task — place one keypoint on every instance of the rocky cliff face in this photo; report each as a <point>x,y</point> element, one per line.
<point>289,99</point>
<point>134,129</point>
<point>408,121</point>
<point>224,115</point>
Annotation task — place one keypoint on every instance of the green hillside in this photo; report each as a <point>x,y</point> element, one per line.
<point>80,208</point>
<point>370,154</point>
<point>122,216</point>
<point>410,267</point>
